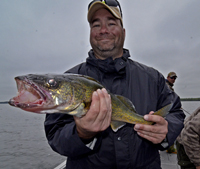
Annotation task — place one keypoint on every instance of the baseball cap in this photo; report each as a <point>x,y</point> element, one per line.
<point>112,5</point>
<point>172,74</point>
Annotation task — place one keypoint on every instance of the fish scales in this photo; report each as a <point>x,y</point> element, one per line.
<point>72,94</point>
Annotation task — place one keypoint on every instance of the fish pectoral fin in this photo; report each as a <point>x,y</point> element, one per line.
<point>116,125</point>
<point>79,111</point>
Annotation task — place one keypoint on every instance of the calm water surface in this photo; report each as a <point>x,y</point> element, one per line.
<point>23,144</point>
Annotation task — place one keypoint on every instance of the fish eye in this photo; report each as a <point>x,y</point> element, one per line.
<point>52,83</point>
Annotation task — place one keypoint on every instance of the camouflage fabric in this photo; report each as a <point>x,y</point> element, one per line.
<point>190,137</point>
<point>183,159</point>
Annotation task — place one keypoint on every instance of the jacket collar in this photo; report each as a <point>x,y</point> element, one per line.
<point>109,65</point>
<point>171,84</point>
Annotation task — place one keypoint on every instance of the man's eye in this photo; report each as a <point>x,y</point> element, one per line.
<point>112,24</point>
<point>95,25</point>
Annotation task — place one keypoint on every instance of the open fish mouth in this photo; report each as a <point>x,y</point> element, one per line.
<point>29,95</point>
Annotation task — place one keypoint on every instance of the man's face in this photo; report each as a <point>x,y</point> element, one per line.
<point>171,79</point>
<point>106,35</point>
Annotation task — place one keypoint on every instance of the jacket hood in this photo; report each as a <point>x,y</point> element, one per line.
<point>109,65</point>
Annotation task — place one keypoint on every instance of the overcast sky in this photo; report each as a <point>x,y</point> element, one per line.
<point>51,36</point>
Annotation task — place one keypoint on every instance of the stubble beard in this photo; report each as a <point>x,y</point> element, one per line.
<point>105,50</point>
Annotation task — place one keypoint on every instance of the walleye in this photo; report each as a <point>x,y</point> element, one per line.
<point>72,94</point>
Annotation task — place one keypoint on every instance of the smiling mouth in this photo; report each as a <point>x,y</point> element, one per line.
<point>29,95</point>
<point>105,40</point>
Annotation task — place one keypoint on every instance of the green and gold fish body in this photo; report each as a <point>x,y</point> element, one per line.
<point>71,94</point>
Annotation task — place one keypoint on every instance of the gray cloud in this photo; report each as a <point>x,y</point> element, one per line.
<point>52,36</point>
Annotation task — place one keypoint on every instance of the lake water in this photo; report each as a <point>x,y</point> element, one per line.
<point>23,144</point>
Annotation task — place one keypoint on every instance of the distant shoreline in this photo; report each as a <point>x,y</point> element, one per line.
<point>190,99</point>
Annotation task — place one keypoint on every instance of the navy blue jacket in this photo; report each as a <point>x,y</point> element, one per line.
<point>147,90</point>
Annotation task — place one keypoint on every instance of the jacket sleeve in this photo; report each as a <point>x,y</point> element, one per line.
<point>190,136</point>
<point>175,120</point>
<point>176,116</point>
<point>62,135</point>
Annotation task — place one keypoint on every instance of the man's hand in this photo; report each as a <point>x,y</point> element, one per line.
<point>97,118</point>
<point>155,133</point>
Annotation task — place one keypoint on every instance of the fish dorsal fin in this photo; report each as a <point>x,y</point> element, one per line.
<point>164,111</point>
<point>126,102</point>
<point>116,125</point>
<point>90,78</point>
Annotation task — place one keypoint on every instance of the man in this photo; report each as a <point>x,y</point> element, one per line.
<point>171,77</point>
<point>89,142</point>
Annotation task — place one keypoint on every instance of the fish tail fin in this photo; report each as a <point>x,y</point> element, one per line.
<point>164,111</point>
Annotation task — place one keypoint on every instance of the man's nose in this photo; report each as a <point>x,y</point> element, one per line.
<point>104,29</point>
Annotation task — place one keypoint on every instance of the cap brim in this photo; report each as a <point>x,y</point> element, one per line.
<point>99,5</point>
<point>174,76</point>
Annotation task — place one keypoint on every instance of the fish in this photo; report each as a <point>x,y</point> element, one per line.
<point>72,94</point>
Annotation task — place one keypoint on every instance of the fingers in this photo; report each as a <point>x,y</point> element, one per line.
<point>109,109</point>
<point>94,107</point>
<point>158,120</point>
<point>154,118</point>
<point>151,112</point>
<point>105,112</point>
<point>98,117</point>
<point>154,133</point>
<point>154,138</point>
<point>101,104</point>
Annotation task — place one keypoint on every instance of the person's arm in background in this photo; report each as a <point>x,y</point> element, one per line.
<point>191,138</point>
